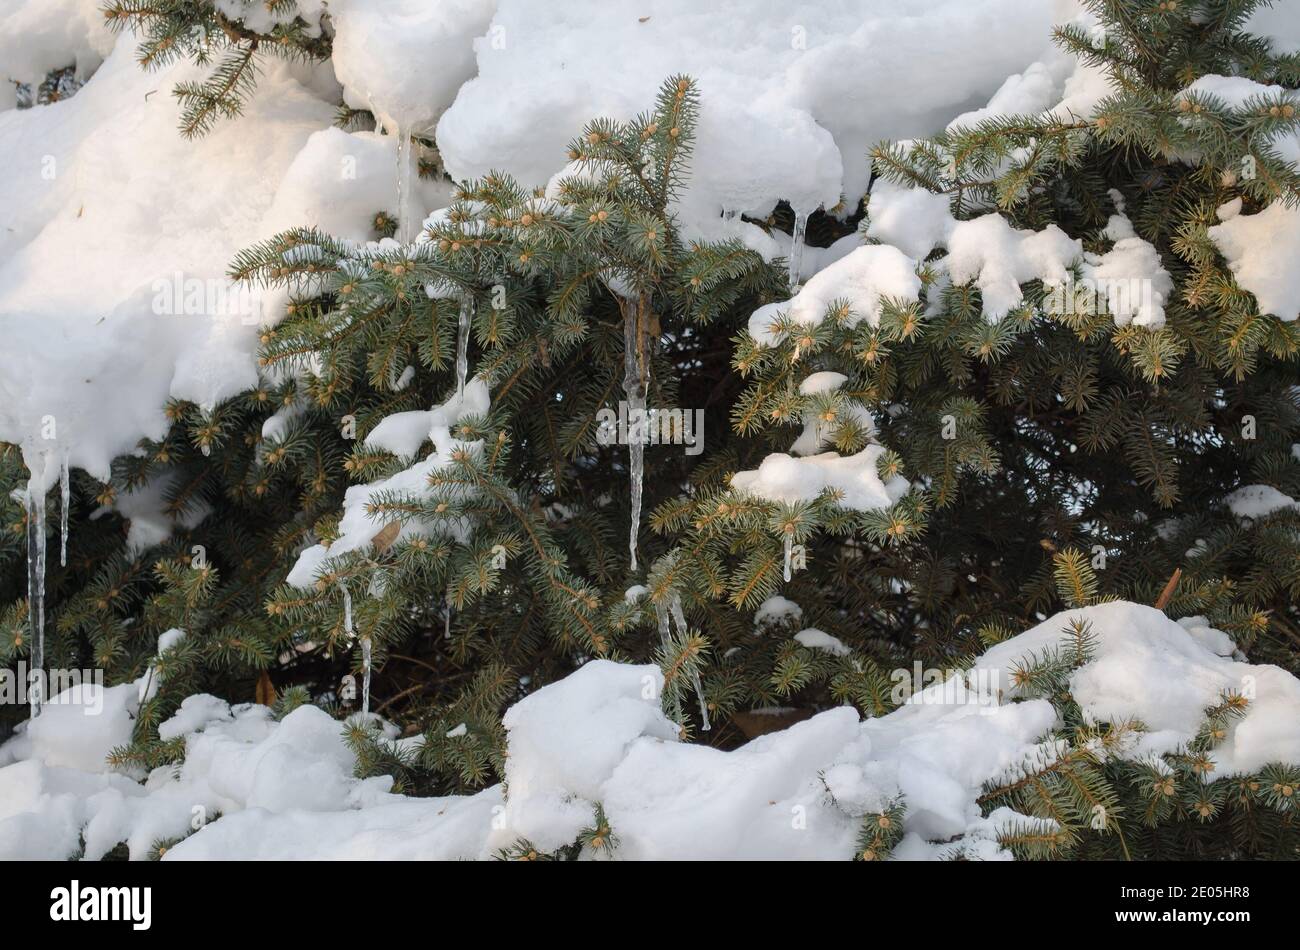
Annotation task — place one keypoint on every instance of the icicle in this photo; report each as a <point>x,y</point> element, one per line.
<point>365,647</point>
<point>796,247</point>
<point>365,675</point>
<point>65,499</point>
<point>789,552</point>
<point>35,501</point>
<point>446,618</point>
<point>679,617</point>
<point>666,639</point>
<point>636,385</point>
<point>347,612</point>
<point>404,222</point>
<point>206,449</point>
<point>462,343</point>
<point>661,615</point>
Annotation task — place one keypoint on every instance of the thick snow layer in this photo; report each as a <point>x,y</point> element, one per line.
<point>284,789</point>
<point>1260,248</point>
<point>793,96</point>
<point>115,234</point>
<point>405,60</point>
<point>338,181</point>
<point>104,199</point>
<point>37,36</point>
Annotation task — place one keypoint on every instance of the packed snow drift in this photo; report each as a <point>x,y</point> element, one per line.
<point>254,787</point>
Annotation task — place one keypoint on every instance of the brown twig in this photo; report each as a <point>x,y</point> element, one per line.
<point>1167,594</point>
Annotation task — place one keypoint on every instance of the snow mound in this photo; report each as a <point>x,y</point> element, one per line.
<point>113,241</point>
<point>791,97</point>
<point>598,737</point>
<point>37,36</point>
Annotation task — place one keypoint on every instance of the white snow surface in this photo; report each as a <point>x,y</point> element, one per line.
<point>1261,250</point>
<point>793,94</point>
<point>267,789</point>
<point>1258,501</point>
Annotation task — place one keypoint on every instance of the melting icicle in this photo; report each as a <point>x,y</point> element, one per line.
<point>796,247</point>
<point>365,675</point>
<point>365,647</point>
<point>65,499</point>
<point>462,343</point>
<point>789,552</point>
<point>636,385</point>
<point>679,617</point>
<point>347,611</point>
<point>666,639</point>
<point>35,501</point>
<point>404,222</point>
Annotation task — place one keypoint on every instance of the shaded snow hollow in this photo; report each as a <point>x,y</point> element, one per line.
<point>285,789</point>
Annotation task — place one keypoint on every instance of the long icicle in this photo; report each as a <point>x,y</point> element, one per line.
<point>666,639</point>
<point>65,499</point>
<point>365,676</point>
<point>636,386</point>
<point>679,616</point>
<point>789,552</point>
<point>462,343</point>
<point>404,224</point>
<point>365,647</point>
<point>35,499</point>
<point>796,247</point>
